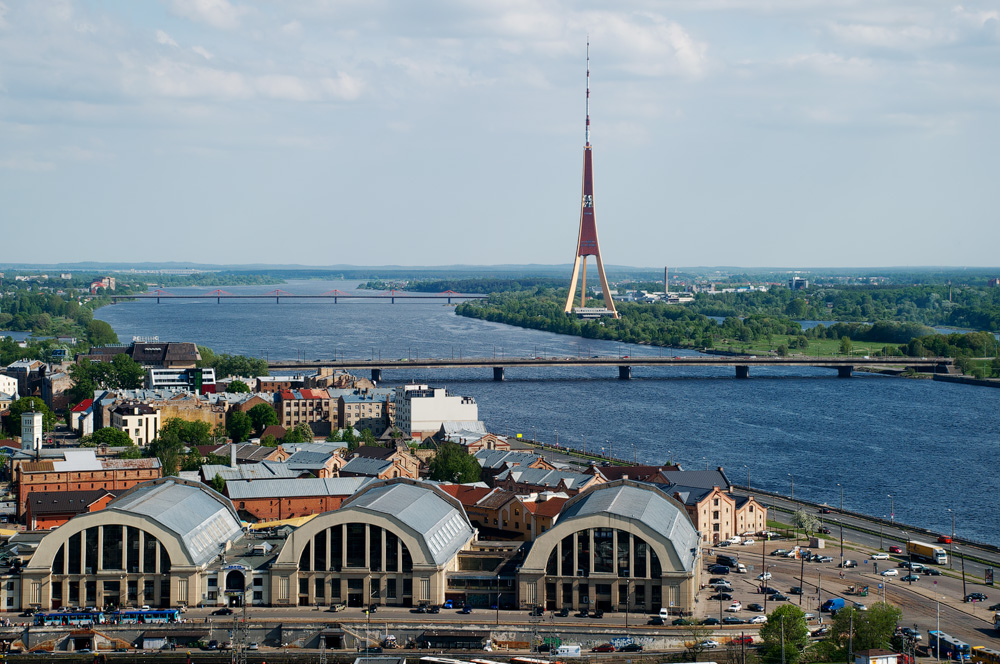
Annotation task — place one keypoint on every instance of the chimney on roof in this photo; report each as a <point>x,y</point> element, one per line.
<point>232,455</point>
<point>624,477</point>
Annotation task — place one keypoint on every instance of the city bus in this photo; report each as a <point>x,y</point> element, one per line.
<point>146,616</point>
<point>66,618</point>
<point>984,655</point>
<point>948,646</point>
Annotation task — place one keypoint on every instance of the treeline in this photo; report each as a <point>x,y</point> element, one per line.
<point>226,365</point>
<point>972,307</point>
<point>479,285</point>
<point>216,279</point>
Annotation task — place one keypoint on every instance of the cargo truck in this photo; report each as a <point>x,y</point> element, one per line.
<point>928,552</point>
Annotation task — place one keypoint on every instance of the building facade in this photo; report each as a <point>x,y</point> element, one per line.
<point>139,421</point>
<point>421,410</point>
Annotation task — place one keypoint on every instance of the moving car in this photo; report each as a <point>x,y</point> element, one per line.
<point>747,542</point>
<point>709,644</point>
<point>931,571</point>
<point>822,631</point>
<point>944,539</point>
<point>849,563</point>
<point>253,646</point>
<point>225,611</point>
<point>778,597</point>
<point>655,620</point>
<point>466,610</point>
<point>764,576</point>
<point>910,578</point>
<point>779,552</point>
<point>604,647</point>
<point>881,555</point>
<point>976,597</point>
<point>682,621</point>
<point>742,640</point>
<point>630,647</point>
<point>895,549</point>
<point>859,606</point>
<point>911,633</point>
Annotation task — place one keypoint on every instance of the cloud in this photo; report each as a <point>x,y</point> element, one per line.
<point>217,13</point>
<point>165,39</point>
<point>28,164</point>
<point>202,52</point>
<point>3,15</point>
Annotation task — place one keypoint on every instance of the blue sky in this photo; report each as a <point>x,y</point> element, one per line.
<point>726,132</point>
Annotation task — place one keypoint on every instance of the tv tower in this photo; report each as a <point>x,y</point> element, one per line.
<point>587,244</point>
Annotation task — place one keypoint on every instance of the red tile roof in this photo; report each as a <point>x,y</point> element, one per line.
<point>83,405</point>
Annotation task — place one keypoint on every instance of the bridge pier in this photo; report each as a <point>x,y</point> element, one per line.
<point>742,371</point>
<point>277,300</point>
<point>376,375</point>
<point>844,372</point>
<point>624,373</point>
<point>498,374</point>
<point>218,300</point>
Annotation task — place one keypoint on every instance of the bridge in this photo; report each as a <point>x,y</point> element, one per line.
<point>741,363</point>
<point>277,295</point>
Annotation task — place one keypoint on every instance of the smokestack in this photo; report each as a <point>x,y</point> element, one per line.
<point>666,282</point>
<point>232,455</point>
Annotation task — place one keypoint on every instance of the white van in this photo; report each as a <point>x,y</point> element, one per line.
<point>664,613</point>
<point>568,651</point>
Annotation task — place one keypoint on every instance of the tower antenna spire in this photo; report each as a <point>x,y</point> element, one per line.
<point>588,90</point>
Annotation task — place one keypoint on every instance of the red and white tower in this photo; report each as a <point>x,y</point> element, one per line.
<point>587,244</point>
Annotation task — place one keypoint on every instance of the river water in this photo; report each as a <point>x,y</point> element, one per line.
<point>932,446</point>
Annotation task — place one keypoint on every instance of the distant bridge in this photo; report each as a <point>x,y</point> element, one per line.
<point>741,363</point>
<point>277,295</point>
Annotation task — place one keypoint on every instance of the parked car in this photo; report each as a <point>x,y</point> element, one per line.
<point>709,644</point>
<point>910,578</point>
<point>732,620</point>
<point>758,620</point>
<point>747,542</point>
<point>717,579</point>
<point>630,647</point>
<point>253,646</point>
<point>913,567</point>
<point>779,552</point>
<point>976,597</point>
<point>742,640</point>
<point>466,610</point>
<point>604,647</point>
<point>778,597</point>
<point>225,611</point>
<point>448,604</point>
<point>563,612</point>
<point>824,559</point>
<point>599,613</point>
<point>755,607</point>
<point>536,612</point>
<point>682,621</point>
<point>722,585</point>
<point>931,571</point>
<point>795,590</point>
<point>859,606</point>
<point>434,609</point>
<point>371,650</point>
<point>890,572</point>
<point>718,569</point>
<point>710,621</point>
<point>911,633</point>
<point>995,607</point>
<point>822,631</point>
<point>895,549</point>
<point>879,555</point>
<point>212,645</point>
<point>723,544</point>
<point>734,607</point>
<point>722,597</point>
<point>764,576</point>
<point>338,606</point>
<point>655,620</point>
<point>849,563</point>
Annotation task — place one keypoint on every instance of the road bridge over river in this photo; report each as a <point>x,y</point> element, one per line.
<point>844,366</point>
<point>278,295</point>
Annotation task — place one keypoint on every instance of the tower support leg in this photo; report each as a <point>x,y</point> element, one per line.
<point>624,373</point>
<point>376,375</point>
<point>498,374</point>
<point>572,285</point>
<point>742,371</point>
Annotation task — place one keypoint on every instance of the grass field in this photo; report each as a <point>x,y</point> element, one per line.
<point>817,347</point>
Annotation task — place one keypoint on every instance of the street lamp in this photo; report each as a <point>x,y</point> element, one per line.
<point>841,497</point>
<point>792,480</point>
<point>951,558</point>
<point>748,476</point>
<point>892,513</point>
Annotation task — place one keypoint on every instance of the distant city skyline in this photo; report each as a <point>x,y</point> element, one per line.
<point>725,132</point>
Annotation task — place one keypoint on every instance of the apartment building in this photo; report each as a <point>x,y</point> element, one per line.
<point>420,410</point>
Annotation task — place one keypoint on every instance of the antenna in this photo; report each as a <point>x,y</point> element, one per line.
<point>588,90</point>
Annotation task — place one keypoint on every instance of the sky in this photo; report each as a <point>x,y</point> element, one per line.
<point>376,132</point>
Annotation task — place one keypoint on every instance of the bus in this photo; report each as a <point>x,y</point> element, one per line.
<point>531,660</point>
<point>146,616</point>
<point>67,618</point>
<point>983,655</point>
<point>948,646</point>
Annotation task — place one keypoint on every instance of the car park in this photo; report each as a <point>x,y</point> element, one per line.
<point>732,620</point>
<point>895,549</point>
<point>880,555</point>
<point>890,572</point>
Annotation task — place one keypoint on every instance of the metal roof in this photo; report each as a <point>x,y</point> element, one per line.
<point>309,486</point>
<point>545,477</point>
<point>643,503</point>
<point>500,458</point>
<point>437,517</point>
<point>366,466</point>
<point>202,518</point>
<point>265,470</point>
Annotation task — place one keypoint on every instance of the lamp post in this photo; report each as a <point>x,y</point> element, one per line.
<point>841,497</point>
<point>964,590</point>
<point>909,556</point>
<point>892,512</point>
<point>951,558</point>
<point>792,480</point>
<point>748,476</point>
<point>557,437</point>
<point>628,595</point>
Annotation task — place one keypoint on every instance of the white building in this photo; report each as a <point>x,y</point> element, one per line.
<point>421,410</point>
<point>8,385</point>
<point>31,431</point>
<point>139,421</point>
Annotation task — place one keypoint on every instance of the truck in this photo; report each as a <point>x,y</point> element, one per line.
<point>833,605</point>
<point>928,552</point>
<point>568,651</point>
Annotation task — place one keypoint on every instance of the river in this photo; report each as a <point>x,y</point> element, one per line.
<point>932,446</point>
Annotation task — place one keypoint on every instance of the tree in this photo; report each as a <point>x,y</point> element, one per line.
<point>334,437</point>
<point>125,373</point>
<point>782,350</point>
<point>269,441</point>
<point>805,521</point>
<point>784,636</point>
<point>176,431</point>
<point>238,387</point>
<point>27,405</point>
<point>697,635</point>
<point>237,365</point>
<point>239,427</point>
<point>219,483</point>
<point>262,416</point>
<point>873,628</point>
<point>367,437</point>
<point>100,333</point>
<point>845,345</point>
<point>111,437</point>
<point>453,464</point>
<point>300,433</point>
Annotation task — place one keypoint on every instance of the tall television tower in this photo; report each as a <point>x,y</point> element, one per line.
<point>587,244</point>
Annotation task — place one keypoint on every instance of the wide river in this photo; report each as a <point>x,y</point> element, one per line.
<point>932,446</point>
